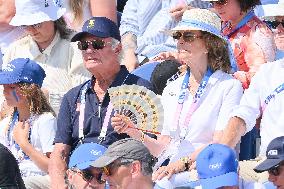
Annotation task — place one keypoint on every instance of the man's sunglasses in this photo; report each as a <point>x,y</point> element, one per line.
<point>220,2</point>
<point>274,24</point>
<point>187,36</point>
<point>88,176</point>
<point>108,170</point>
<point>96,44</point>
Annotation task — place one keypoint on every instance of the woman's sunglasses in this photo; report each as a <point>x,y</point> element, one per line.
<point>88,176</point>
<point>35,26</point>
<point>274,24</point>
<point>96,44</point>
<point>274,170</point>
<point>187,36</point>
<point>220,2</point>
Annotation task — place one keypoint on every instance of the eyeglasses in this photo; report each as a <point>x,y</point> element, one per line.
<point>108,170</point>
<point>187,36</point>
<point>35,26</point>
<point>88,176</point>
<point>274,170</point>
<point>220,2</point>
<point>96,44</point>
<point>274,24</point>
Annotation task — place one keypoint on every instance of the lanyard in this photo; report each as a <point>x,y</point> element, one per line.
<point>243,22</point>
<point>82,113</point>
<point>193,106</point>
<point>271,96</point>
<point>20,154</point>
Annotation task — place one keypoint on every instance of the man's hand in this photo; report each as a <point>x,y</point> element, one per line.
<point>177,12</point>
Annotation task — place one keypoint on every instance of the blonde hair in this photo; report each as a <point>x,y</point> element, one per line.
<point>77,9</point>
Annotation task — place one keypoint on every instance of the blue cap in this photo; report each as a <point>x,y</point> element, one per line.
<point>217,166</point>
<point>22,70</point>
<point>99,27</point>
<point>85,154</point>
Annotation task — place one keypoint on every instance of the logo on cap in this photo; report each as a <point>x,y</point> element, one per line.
<point>96,153</point>
<point>91,23</point>
<point>215,166</point>
<point>272,153</point>
<point>9,68</point>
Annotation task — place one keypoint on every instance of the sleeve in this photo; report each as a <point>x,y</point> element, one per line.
<point>46,131</point>
<point>129,18</point>
<point>64,125</point>
<point>249,108</point>
<point>230,99</point>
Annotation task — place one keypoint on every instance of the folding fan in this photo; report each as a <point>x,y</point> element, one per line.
<point>142,106</point>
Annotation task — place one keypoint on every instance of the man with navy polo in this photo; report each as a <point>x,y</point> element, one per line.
<point>84,114</point>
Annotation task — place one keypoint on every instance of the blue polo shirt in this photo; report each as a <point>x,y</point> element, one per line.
<point>68,117</point>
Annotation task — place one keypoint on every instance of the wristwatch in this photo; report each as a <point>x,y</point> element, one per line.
<point>187,162</point>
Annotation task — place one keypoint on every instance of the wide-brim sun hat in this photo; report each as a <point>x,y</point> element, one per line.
<point>30,12</point>
<point>271,10</point>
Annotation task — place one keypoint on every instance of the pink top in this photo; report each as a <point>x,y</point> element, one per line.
<point>253,45</point>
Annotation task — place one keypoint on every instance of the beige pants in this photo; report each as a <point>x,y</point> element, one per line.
<point>247,173</point>
<point>37,182</point>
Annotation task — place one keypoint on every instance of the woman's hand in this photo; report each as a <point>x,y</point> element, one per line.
<point>169,170</point>
<point>21,133</point>
<point>122,124</point>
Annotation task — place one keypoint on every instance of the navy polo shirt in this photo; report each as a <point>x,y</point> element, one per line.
<point>68,117</point>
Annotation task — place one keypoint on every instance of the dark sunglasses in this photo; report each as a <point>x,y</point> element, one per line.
<point>108,170</point>
<point>220,2</point>
<point>274,24</point>
<point>274,170</point>
<point>96,44</point>
<point>88,176</point>
<point>187,36</point>
<point>35,26</point>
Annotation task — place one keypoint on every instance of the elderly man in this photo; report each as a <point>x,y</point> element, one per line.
<point>85,112</point>
<point>264,97</point>
<point>79,173</point>
<point>127,164</point>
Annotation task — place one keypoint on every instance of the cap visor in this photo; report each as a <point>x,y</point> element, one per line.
<point>78,36</point>
<point>266,165</point>
<point>229,179</point>
<point>7,79</point>
<point>103,161</point>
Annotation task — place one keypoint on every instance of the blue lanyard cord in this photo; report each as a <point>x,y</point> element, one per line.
<point>243,22</point>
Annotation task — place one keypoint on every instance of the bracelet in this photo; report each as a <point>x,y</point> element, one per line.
<point>187,162</point>
<point>142,137</point>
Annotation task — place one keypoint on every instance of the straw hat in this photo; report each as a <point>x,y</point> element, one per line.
<point>271,10</point>
<point>30,12</point>
<point>200,19</point>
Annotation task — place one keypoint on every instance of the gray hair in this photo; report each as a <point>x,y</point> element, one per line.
<point>146,167</point>
<point>114,44</point>
<point>61,27</point>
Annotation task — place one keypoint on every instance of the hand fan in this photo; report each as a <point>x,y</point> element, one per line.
<point>141,105</point>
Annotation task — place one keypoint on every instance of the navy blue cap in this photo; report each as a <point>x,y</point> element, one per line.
<point>22,70</point>
<point>85,154</point>
<point>99,27</point>
<point>217,166</point>
<point>274,155</point>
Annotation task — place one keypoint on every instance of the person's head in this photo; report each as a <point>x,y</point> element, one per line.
<point>224,8</point>
<point>22,79</point>
<point>99,42</point>
<point>273,15</point>
<point>79,174</point>
<point>274,163</point>
<point>10,175</point>
<point>40,19</point>
<point>162,72</point>
<point>217,167</point>
<point>199,37</point>
<point>127,163</point>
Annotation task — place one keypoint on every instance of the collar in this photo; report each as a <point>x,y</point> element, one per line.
<point>35,50</point>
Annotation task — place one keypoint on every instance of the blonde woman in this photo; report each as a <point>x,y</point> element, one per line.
<point>30,130</point>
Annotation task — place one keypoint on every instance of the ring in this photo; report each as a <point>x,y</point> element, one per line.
<point>166,172</point>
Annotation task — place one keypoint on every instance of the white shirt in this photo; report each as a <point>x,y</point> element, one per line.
<point>265,81</point>
<point>43,129</point>
<point>61,61</point>
<point>222,93</point>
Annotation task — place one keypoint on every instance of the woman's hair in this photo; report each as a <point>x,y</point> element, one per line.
<point>247,5</point>
<point>218,54</point>
<point>77,9</point>
<point>36,98</point>
<point>61,27</point>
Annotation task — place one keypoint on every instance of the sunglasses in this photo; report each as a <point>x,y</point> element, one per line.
<point>220,2</point>
<point>187,36</point>
<point>108,170</point>
<point>88,176</point>
<point>35,26</point>
<point>274,24</point>
<point>96,44</point>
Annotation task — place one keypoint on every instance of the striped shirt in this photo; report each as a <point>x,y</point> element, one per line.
<point>146,20</point>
